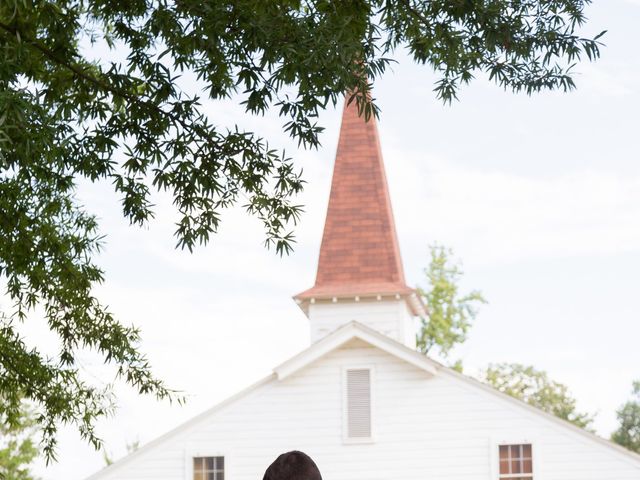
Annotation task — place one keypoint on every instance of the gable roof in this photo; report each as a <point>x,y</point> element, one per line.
<point>338,338</point>
<point>356,330</point>
<point>359,254</point>
<point>350,331</point>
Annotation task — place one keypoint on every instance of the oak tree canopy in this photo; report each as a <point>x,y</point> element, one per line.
<point>121,117</point>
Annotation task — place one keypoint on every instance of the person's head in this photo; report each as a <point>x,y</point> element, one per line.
<point>293,466</point>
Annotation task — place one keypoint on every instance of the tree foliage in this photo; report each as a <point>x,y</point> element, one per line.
<point>17,446</point>
<point>537,389</point>
<point>628,432</point>
<point>449,313</point>
<point>95,90</point>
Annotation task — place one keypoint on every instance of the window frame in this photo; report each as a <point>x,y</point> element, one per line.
<point>495,457</point>
<point>346,439</point>
<point>191,453</point>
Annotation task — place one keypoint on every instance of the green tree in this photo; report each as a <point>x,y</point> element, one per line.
<point>628,433</point>
<point>115,91</point>
<point>450,313</point>
<point>17,446</point>
<point>537,389</point>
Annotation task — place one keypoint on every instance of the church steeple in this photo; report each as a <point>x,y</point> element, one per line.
<point>359,256</point>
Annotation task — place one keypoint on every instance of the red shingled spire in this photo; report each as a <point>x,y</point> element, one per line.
<point>359,254</point>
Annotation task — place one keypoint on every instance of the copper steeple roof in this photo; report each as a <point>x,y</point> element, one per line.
<point>359,254</point>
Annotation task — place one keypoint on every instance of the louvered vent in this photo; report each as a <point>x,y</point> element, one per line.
<point>359,403</point>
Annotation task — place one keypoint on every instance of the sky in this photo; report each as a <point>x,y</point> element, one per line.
<point>539,197</point>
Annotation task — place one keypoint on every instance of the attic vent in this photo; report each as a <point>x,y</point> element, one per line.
<point>359,403</point>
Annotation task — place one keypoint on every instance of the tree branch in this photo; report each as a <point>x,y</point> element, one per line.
<point>100,83</point>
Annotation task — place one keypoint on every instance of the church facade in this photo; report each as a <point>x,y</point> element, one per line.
<point>360,400</point>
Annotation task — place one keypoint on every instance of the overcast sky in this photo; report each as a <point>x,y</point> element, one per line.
<point>538,196</point>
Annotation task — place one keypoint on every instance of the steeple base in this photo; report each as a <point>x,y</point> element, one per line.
<point>391,316</point>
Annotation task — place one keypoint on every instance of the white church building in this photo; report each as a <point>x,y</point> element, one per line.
<point>360,400</point>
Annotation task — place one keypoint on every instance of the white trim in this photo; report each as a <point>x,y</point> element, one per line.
<point>348,332</point>
<point>414,302</point>
<point>181,428</point>
<point>345,418</point>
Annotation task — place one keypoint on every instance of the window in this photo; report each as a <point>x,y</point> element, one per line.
<point>208,468</point>
<point>516,462</point>
<point>358,403</point>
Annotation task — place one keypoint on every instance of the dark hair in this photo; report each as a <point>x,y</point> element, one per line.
<point>293,466</point>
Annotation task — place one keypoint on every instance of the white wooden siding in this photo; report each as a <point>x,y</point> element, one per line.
<point>388,316</point>
<point>442,428</point>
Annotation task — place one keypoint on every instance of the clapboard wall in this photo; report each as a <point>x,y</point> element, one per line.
<point>441,428</point>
